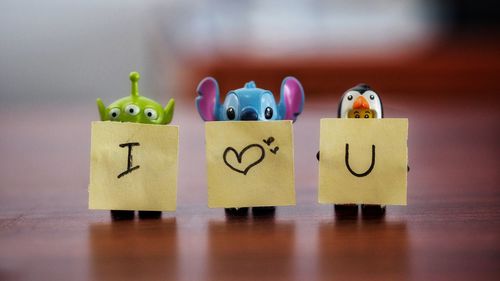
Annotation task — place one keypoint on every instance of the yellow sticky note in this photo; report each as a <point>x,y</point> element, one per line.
<point>363,161</point>
<point>250,164</point>
<point>133,166</point>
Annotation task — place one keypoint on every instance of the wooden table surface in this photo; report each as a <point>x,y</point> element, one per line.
<point>450,229</point>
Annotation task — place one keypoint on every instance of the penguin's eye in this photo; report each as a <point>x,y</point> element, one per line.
<point>268,113</point>
<point>132,109</point>
<point>230,113</point>
<point>367,116</point>
<point>349,97</point>
<point>151,114</point>
<point>372,97</point>
<point>114,113</point>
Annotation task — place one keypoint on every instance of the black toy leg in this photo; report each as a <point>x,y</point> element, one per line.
<point>122,215</point>
<point>267,211</point>
<point>236,212</point>
<point>372,211</point>
<point>149,214</point>
<point>346,211</point>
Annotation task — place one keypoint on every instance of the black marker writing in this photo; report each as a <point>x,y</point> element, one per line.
<point>349,167</point>
<point>268,142</point>
<point>239,157</point>
<point>129,161</point>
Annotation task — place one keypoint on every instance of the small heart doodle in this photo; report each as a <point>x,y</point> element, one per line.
<point>239,157</point>
<point>274,150</point>
<point>268,141</point>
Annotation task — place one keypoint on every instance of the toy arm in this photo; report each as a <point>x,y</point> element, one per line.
<point>169,111</point>
<point>102,109</point>
<point>291,99</point>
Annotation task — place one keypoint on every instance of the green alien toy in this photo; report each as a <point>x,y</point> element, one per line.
<point>137,109</point>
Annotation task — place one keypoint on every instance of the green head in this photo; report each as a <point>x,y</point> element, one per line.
<point>136,108</point>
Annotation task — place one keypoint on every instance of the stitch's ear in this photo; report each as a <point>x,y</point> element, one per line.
<point>291,99</point>
<point>207,101</point>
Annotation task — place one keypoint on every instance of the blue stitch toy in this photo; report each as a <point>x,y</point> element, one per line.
<point>250,104</point>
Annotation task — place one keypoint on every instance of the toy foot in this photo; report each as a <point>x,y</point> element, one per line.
<point>346,211</point>
<point>372,211</point>
<point>149,214</point>
<point>236,212</point>
<point>122,215</point>
<point>267,211</point>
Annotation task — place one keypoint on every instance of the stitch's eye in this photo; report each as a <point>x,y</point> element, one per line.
<point>114,113</point>
<point>268,113</point>
<point>372,97</point>
<point>132,109</point>
<point>349,97</point>
<point>268,110</point>
<point>230,113</point>
<point>151,114</point>
<point>230,108</point>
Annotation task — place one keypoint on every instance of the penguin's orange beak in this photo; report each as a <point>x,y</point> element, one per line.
<point>361,103</point>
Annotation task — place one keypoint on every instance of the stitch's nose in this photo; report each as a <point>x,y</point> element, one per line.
<point>249,115</point>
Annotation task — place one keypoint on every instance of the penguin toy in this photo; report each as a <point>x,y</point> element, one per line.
<point>359,102</point>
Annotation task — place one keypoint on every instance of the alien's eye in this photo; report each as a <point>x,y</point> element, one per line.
<point>349,97</point>
<point>372,97</point>
<point>367,116</point>
<point>114,113</point>
<point>132,109</point>
<point>151,113</point>
<point>230,113</point>
<point>268,113</point>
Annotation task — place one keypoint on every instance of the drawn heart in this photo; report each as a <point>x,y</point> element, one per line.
<point>239,157</point>
<point>268,141</point>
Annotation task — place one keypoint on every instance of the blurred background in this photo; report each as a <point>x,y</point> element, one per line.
<point>73,52</point>
<point>428,60</point>
<point>434,62</point>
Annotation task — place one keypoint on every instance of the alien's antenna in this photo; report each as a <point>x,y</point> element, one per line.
<point>134,78</point>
